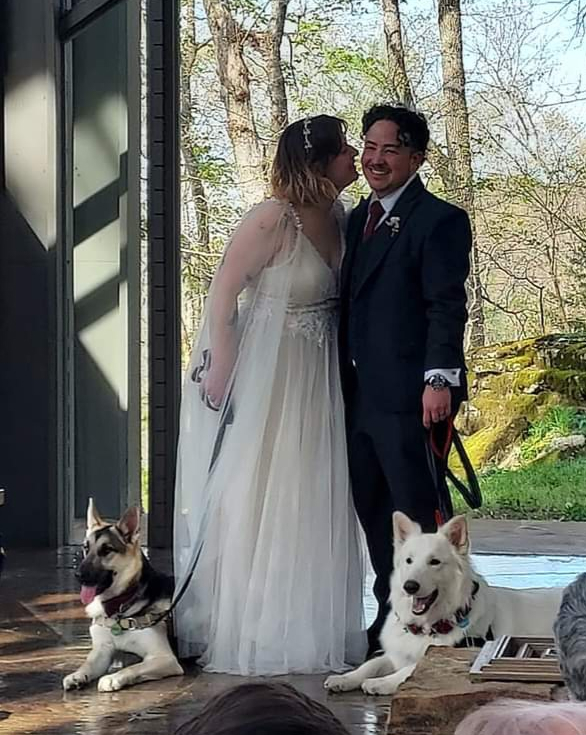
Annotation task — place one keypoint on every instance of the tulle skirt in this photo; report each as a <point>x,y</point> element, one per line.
<point>278,585</point>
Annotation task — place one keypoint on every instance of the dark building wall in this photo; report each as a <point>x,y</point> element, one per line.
<point>164,282</point>
<point>40,380</point>
<point>28,231</point>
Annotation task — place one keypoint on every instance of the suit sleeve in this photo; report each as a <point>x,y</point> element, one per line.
<point>446,264</point>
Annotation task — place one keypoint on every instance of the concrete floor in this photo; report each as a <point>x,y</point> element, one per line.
<point>43,636</point>
<point>528,537</point>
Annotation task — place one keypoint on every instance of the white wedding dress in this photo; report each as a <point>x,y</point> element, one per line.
<point>278,578</point>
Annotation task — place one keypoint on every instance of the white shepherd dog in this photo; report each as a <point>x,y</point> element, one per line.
<point>438,599</point>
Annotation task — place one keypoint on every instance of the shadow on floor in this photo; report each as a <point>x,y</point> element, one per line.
<point>44,636</point>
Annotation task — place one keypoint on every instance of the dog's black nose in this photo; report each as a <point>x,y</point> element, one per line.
<point>411,586</point>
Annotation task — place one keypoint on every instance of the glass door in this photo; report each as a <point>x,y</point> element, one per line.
<point>101,112</point>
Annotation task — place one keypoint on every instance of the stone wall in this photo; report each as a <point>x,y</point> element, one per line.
<point>515,383</point>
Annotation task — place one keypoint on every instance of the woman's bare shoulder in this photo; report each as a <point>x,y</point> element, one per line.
<point>267,214</point>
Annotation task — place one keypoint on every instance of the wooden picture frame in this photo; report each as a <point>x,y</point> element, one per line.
<point>517,658</point>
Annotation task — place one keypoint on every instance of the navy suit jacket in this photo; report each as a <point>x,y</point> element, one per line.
<point>403,299</point>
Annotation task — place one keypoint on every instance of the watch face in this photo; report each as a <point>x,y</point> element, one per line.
<point>438,381</point>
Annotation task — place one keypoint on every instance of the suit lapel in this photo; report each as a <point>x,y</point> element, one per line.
<point>353,239</point>
<point>389,232</point>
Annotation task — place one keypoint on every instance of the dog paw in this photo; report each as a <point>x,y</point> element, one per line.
<point>377,686</point>
<point>110,683</point>
<point>75,681</point>
<point>339,683</point>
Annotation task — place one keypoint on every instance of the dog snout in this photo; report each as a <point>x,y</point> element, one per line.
<point>411,586</point>
<point>90,572</point>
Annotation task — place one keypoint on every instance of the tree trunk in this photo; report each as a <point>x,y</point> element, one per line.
<point>189,50</point>
<point>458,148</point>
<point>398,79</point>
<point>399,82</point>
<point>277,89</point>
<point>234,78</point>
<point>551,253</point>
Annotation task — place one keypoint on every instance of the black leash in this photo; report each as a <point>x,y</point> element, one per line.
<point>156,619</point>
<point>184,586</point>
<point>226,419</point>
<point>469,490</point>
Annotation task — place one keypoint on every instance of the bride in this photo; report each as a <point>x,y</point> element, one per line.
<point>263,512</point>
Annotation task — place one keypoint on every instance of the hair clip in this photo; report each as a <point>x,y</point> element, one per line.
<point>306,133</point>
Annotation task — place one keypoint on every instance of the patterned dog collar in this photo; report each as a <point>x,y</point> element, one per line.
<point>461,620</point>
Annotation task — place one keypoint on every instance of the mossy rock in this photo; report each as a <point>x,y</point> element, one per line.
<point>567,447</point>
<point>490,444</point>
<point>512,385</point>
<point>563,351</point>
<point>504,400</point>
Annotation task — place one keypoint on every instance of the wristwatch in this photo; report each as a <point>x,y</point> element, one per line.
<point>437,382</point>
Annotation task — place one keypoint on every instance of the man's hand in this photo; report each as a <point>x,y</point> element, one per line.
<point>437,405</point>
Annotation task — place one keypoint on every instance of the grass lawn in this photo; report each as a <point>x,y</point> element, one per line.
<point>555,491</point>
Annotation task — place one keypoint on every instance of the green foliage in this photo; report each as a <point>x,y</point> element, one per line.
<point>212,169</point>
<point>308,32</point>
<point>558,421</point>
<point>541,492</point>
<point>344,60</point>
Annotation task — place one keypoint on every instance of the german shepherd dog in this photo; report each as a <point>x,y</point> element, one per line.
<point>125,598</point>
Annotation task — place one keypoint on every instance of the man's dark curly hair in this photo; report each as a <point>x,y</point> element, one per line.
<point>413,129</point>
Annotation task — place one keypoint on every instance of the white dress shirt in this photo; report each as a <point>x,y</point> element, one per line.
<point>389,201</point>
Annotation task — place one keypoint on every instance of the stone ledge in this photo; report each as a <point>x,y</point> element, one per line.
<point>439,694</point>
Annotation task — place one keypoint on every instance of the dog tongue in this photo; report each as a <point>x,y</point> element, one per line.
<point>87,594</point>
<point>420,604</point>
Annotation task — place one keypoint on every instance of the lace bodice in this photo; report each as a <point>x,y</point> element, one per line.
<point>312,311</point>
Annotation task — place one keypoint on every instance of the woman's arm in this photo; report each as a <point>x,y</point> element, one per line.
<point>253,246</point>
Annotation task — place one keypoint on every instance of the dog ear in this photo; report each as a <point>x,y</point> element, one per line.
<point>403,527</point>
<point>456,531</point>
<point>93,517</point>
<point>129,524</point>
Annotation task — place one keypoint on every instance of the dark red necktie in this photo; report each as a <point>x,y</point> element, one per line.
<point>375,212</point>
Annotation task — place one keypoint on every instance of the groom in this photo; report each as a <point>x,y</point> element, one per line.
<point>401,337</point>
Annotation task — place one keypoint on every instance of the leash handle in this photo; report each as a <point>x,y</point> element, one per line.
<point>442,452</point>
<point>471,491</point>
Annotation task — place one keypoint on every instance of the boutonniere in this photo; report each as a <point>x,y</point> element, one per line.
<point>394,224</point>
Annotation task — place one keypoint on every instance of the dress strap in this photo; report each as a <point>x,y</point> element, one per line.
<point>296,217</point>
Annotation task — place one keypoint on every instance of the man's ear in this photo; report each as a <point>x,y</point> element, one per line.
<point>417,159</point>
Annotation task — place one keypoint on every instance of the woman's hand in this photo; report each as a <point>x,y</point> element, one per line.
<point>213,388</point>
